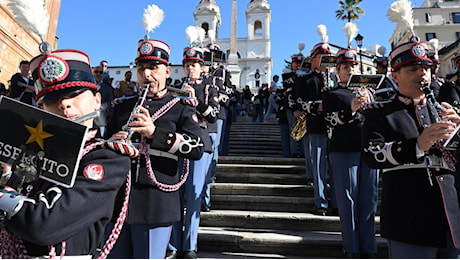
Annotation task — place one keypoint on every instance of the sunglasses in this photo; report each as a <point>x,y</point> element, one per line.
<point>98,72</point>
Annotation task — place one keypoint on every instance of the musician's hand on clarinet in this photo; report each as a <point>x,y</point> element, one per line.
<point>143,123</point>
<point>438,131</point>
<point>189,89</point>
<point>448,113</point>
<point>119,136</point>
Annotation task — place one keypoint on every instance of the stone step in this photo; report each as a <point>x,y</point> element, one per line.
<point>251,219</point>
<point>261,178</point>
<point>262,203</point>
<point>282,242</point>
<point>255,152</point>
<point>295,190</point>
<point>248,160</point>
<point>257,168</point>
<point>249,143</point>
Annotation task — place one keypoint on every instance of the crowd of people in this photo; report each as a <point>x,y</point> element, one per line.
<point>150,156</point>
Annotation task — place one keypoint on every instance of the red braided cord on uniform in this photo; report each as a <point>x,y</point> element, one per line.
<point>12,246</point>
<point>145,150</point>
<point>119,223</point>
<point>163,186</point>
<point>121,217</point>
<point>65,85</point>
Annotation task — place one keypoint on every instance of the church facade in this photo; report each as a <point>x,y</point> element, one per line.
<point>254,51</point>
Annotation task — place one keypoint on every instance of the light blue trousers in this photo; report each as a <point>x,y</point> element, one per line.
<point>356,187</point>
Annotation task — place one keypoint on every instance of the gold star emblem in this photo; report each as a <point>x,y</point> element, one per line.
<point>365,79</point>
<point>37,134</point>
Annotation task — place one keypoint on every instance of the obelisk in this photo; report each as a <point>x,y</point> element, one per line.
<point>232,64</point>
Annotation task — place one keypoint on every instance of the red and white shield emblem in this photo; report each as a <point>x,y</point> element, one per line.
<point>195,118</point>
<point>94,172</point>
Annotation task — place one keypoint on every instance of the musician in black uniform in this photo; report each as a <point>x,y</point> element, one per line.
<point>356,184</point>
<point>67,221</point>
<point>420,214</point>
<point>169,131</point>
<point>288,77</point>
<point>386,90</point>
<point>219,77</point>
<point>450,90</point>
<point>308,96</point>
<point>184,236</point>
<point>436,81</point>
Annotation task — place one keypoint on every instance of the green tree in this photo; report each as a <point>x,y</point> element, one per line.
<point>349,11</point>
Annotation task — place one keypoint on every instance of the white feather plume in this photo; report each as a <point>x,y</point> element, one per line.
<point>434,44</point>
<point>152,18</point>
<point>212,35</point>
<point>350,29</point>
<point>191,34</point>
<point>301,47</point>
<point>322,32</point>
<point>400,12</point>
<point>381,51</point>
<point>201,34</point>
<point>31,15</point>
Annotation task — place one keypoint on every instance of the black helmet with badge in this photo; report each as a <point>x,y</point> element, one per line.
<point>323,47</point>
<point>414,52</point>
<point>194,52</point>
<point>149,50</point>
<point>380,59</point>
<point>61,73</point>
<point>348,55</point>
<point>433,52</point>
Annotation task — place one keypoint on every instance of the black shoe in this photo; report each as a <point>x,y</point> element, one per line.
<point>352,255</point>
<point>205,208</point>
<point>171,254</point>
<point>333,212</point>
<point>320,211</point>
<point>190,255</point>
<point>310,182</point>
<point>367,256</point>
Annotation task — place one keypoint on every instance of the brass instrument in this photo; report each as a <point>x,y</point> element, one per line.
<point>299,129</point>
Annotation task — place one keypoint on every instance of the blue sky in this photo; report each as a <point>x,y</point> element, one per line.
<point>110,29</point>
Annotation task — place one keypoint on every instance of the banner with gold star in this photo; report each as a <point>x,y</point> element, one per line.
<point>366,81</point>
<point>28,131</point>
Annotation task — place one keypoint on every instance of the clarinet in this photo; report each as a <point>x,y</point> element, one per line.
<point>136,110</point>
<point>436,108</point>
<point>434,161</point>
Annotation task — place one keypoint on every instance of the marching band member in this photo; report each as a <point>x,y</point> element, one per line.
<point>168,132</point>
<point>184,237</point>
<point>356,184</point>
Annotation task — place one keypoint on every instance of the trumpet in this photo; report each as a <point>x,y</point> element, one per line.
<point>299,129</point>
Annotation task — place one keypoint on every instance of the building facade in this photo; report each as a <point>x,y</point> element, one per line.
<point>254,51</point>
<point>438,19</point>
<point>16,44</point>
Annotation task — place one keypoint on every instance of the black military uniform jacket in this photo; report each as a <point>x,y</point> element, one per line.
<point>76,215</point>
<point>415,208</point>
<point>450,92</point>
<point>289,77</point>
<point>148,204</point>
<point>308,96</point>
<point>207,109</point>
<point>344,126</point>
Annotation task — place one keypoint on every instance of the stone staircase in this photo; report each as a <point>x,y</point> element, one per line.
<point>262,206</point>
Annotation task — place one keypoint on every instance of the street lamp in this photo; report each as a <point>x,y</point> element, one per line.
<point>359,41</point>
<point>257,77</point>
